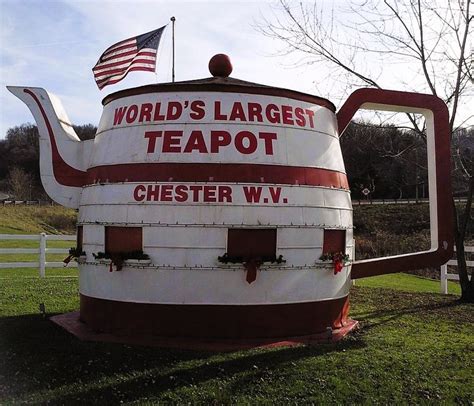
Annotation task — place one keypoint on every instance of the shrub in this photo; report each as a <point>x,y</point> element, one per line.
<point>382,243</point>
<point>58,219</point>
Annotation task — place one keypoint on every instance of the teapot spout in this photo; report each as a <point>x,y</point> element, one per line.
<point>63,156</point>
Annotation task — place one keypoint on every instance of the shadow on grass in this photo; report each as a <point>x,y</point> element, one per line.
<point>43,363</point>
<point>385,308</point>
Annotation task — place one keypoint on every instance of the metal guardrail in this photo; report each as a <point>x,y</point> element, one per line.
<point>363,202</point>
<point>41,264</point>
<point>451,276</point>
<point>28,203</point>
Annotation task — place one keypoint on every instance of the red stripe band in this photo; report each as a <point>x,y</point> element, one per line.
<point>112,72</point>
<point>119,44</point>
<point>119,48</point>
<point>110,81</point>
<point>213,172</point>
<point>109,65</point>
<point>121,55</point>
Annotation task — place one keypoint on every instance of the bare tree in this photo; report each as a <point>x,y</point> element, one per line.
<point>21,183</point>
<point>430,39</point>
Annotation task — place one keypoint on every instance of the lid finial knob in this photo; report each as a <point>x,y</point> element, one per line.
<point>220,65</point>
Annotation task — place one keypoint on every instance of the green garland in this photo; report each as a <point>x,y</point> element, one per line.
<point>335,256</point>
<point>118,258</point>
<point>226,259</point>
<point>139,255</point>
<point>76,252</point>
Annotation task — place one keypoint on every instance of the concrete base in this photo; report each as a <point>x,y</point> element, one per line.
<point>71,323</point>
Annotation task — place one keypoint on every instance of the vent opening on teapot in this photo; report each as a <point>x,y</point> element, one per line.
<point>334,241</point>
<point>79,237</point>
<point>252,243</point>
<point>123,239</point>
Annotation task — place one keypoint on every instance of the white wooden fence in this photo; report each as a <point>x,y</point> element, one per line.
<point>444,271</point>
<point>41,264</point>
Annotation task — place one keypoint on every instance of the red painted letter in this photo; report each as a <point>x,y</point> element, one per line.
<point>132,113</point>
<point>119,113</point>
<point>217,112</point>
<point>196,142</point>
<point>300,120</point>
<point>272,117</point>
<point>145,112</point>
<point>287,114</point>
<point>171,141</point>
<point>197,110</point>
<point>237,112</point>
<point>152,136</point>
<point>310,114</point>
<point>255,112</point>
<point>139,193</point>
<point>268,138</point>
<point>252,143</point>
<point>252,193</point>
<point>174,111</point>
<point>219,139</point>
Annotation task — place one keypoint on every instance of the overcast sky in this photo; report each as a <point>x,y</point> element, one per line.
<point>55,44</point>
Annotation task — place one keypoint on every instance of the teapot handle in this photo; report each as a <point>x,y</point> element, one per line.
<point>439,175</point>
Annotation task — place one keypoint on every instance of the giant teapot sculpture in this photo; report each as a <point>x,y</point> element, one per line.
<point>235,191</point>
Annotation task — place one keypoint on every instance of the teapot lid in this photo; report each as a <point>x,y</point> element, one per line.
<point>220,68</point>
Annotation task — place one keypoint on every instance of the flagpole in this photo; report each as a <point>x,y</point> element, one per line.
<point>172,69</point>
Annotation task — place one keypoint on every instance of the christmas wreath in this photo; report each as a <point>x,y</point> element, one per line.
<point>338,259</point>
<point>251,264</point>
<point>118,258</point>
<point>74,253</point>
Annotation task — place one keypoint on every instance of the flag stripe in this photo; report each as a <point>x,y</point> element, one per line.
<point>125,64</point>
<point>141,62</point>
<point>123,74</point>
<point>111,81</point>
<point>121,61</point>
<point>116,48</point>
<point>117,53</point>
<point>121,54</point>
<point>133,54</point>
<point>116,69</point>
<point>137,68</point>
<point>119,44</point>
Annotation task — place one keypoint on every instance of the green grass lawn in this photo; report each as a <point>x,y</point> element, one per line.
<point>408,283</point>
<point>414,346</point>
<point>411,348</point>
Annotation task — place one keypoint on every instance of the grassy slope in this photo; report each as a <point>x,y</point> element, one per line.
<point>35,220</point>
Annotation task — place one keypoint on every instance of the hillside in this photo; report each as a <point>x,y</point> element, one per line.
<point>37,219</point>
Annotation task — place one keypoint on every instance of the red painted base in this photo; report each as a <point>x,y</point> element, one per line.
<point>233,322</point>
<point>71,322</point>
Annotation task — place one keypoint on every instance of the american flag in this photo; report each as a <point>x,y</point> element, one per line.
<point>136,53</point>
